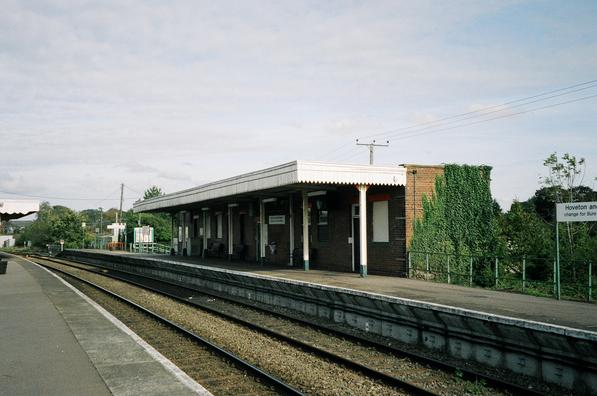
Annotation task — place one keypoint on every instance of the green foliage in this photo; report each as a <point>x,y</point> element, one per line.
<point>459,219</point>
<point>526,234</point>
<point>53,224</point>
<point>562,184</point>
<point>152,192</point>
<point>161,223</point>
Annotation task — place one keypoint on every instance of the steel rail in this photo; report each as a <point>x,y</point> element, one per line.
<point>467,373</point>
<point>369,371</point>
<point>276,382</point>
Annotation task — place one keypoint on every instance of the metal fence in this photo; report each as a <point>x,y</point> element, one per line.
<point>149,247</point>
<point>530,275</point>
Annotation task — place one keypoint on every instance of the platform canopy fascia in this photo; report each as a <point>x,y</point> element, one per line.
<point>11,209</point>
<point>292,175</point>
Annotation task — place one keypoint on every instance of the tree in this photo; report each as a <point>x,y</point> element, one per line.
<point>161,223</point>
<point>526,234</point>
<point>54,223</point>
<point>152,192</point>
<point>562,182</point>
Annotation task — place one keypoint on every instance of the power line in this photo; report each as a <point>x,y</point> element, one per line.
<point>473,114</point>
<point>483,111</point>
<point>416,134</point>
<point>501,109</point>
<point>498,117</point>
<point>371,146</point>
<point>65,199</point>
<point>132,190</point>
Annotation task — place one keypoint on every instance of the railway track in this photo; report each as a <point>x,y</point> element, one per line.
<point>224,374</point>
<point>365,358</point>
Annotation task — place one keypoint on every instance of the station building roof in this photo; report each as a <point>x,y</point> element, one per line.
<point>287,177</point>
<point>11,209</point>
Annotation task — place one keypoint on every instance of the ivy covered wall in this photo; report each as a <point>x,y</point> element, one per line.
<point>458,218</point>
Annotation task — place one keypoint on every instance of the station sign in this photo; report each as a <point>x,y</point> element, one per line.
<point>576,211</point>
<point>277,219</point>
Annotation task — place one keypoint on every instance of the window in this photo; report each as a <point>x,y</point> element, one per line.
<point>323,233</point>
<point>322,218</point>
<point>219,226</point>
<point>381,229</point>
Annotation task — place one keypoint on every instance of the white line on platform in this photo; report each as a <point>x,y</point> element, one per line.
<point>164,361</point>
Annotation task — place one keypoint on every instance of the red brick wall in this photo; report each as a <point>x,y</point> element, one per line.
<point>419,183</point>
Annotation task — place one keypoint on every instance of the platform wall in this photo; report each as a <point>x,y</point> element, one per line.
<point>560,355</point>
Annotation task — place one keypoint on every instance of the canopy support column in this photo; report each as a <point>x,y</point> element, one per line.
<point>363,228</point>
<point>305,230</point>
<point>291,229</point>
<point>230,233</point>
<point>261,231</point>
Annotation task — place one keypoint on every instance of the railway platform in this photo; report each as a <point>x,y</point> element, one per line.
<point>550,340</point>
<point>573,314</point>
<point>55,341</point>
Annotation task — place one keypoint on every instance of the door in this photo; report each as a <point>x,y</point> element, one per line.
<point>241,226</point>
<point>356,246</point>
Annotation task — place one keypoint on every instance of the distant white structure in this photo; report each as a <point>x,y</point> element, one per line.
<point>7,241</point>
<point>144,234</point>
<point>116,229</point>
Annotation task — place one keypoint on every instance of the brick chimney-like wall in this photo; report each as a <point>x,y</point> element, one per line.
<point>420,179</point>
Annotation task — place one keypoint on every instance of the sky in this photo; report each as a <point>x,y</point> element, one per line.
<point>180,93</point>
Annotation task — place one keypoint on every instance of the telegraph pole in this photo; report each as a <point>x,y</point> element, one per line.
<point>372,146</point>
<point>120,210</point>
<point>119,219</point>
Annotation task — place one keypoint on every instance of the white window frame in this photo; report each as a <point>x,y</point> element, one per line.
<point>380,220</point>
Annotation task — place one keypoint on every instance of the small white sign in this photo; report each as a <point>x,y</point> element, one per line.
<point>277,219</point>
<point>576,211</point>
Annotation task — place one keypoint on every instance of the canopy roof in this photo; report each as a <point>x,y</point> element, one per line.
<point>292,175</point>
<point>11,209</point>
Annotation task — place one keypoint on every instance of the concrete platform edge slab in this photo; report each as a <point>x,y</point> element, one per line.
<point>189,386</point>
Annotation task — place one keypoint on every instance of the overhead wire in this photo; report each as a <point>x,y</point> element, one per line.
<point>433,131</point>
<point>415,133</point>
<point>500,107</point>
<point>63,198</point>
<point>479,113</point>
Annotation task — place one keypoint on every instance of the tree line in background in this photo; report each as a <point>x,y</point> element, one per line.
<point>88,227</point>
<point>461,219</point>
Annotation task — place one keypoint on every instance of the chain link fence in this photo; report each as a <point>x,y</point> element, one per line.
<point>530,275</point>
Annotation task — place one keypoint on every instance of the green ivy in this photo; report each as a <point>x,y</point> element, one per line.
<point>458,219</point>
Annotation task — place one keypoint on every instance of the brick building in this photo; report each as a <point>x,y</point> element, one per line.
<point>271,214</point>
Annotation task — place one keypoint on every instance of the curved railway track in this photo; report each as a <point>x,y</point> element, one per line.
<point>235,363</point>
<point>378,365</point>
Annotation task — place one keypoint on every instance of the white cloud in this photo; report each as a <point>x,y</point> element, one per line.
<point>184,92</point>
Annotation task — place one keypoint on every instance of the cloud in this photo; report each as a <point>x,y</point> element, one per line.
<point>148,93</point>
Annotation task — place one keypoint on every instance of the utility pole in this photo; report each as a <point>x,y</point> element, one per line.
<point>120,210</point>
<point>372,146</point>
<point>119,220</point>
<point>101,227</point>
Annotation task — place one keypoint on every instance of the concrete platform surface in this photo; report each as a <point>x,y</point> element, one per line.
<point>55,341</point>
<point>574,314</point>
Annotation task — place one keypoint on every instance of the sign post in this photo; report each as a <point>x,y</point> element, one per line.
<point>567,213</point>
